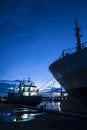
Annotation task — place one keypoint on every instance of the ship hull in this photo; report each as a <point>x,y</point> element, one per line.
<point>24,100</point>
<point>78,96</point>
<point>71,72</point>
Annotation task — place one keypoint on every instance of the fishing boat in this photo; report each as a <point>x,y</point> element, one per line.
<point>70,70</point>
<point>26,94</point>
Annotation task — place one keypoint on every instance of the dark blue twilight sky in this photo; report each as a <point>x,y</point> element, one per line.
<point>34,32</point>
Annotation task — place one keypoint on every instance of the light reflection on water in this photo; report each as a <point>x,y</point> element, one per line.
<point>19,115</point>
<point>26,113</point>
<point>51,105</point>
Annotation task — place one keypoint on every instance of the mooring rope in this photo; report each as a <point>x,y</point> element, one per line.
<point>46,83</point>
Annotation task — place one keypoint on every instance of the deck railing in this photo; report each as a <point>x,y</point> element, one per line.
<point>71,50</point>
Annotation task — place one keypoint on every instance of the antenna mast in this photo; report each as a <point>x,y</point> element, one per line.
<point>77,34</point>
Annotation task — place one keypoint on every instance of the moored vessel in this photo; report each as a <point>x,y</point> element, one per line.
<point>70,70</point>
<point>25,94</point>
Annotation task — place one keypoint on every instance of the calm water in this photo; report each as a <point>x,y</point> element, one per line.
<point>51,105</point>
<point>19,115</point>
<point>26,113</point>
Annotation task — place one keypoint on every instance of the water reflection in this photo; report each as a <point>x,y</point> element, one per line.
<point>19,115</point>
<point>51,105</point>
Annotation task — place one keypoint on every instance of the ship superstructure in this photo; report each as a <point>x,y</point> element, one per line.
<point>26,94</point>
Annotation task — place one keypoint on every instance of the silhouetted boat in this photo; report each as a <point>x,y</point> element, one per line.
<point>25,94</point>
<point>70,70</point>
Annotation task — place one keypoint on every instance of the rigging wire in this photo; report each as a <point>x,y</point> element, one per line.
<point>52,85</point>
<point>46,83</point>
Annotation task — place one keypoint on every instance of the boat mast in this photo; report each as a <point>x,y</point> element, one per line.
<point>77,34</point>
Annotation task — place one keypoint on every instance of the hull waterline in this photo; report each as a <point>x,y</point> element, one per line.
<point>25,100</point>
